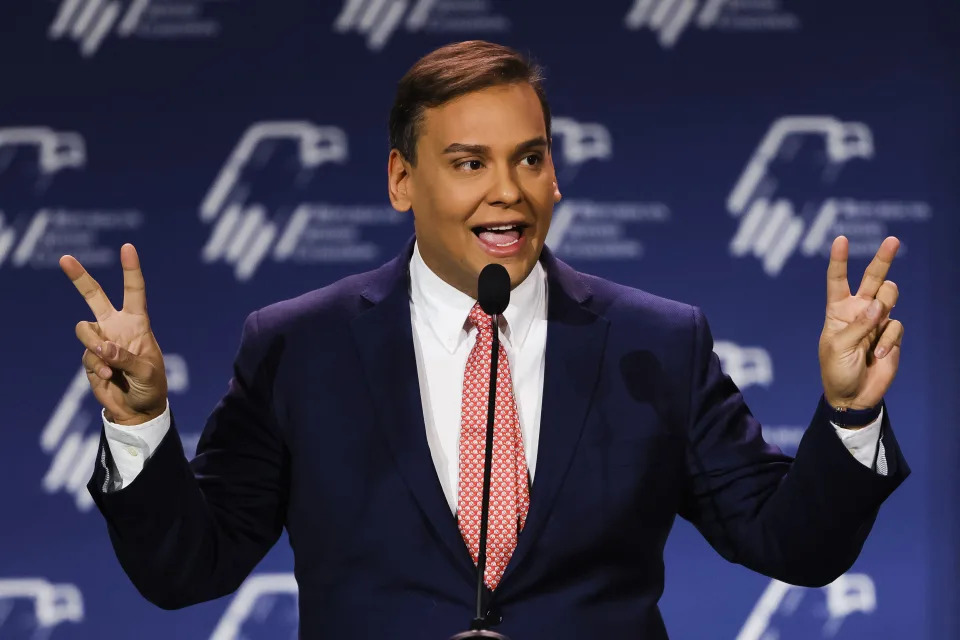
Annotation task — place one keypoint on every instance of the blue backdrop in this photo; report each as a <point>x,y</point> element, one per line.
<point>708,151</point>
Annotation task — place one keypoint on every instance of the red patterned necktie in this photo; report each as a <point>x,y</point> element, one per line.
<point>509,492</point>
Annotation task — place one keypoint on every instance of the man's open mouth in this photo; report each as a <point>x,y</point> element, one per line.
<point>502,235</point>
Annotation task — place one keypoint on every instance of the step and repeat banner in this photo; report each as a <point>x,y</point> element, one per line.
<point>708,151</point>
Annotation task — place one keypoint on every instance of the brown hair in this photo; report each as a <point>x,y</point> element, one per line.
<point>452,71</point>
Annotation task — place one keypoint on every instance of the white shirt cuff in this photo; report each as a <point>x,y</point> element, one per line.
<point>132,446</point>
<point>865,444</point>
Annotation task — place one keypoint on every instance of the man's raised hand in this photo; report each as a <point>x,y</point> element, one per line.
<point>860,344</point>
<point>123,361</point>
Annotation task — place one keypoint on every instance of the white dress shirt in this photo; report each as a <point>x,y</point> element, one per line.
<point>442,340</point>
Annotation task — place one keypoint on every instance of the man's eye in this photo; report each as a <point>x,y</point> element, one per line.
<point>469,165</point>
<point>532,159</point>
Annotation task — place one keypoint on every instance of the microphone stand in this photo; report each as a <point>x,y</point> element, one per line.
<point>479,623</point>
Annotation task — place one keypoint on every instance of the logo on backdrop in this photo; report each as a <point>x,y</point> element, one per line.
<point>35,229</point>
<point>32,607</point>
<point>753,366</point>
<point>378,20</point>
<point>250,221</point>
<point>578,142</point>
<point>746,366</point>
<point>72,434</point>
<point>89,22</point>
<point>265,607</point>
<point>592,229</point>
<point>670,19</point>
<point>778,612</point>
<point>774,224</point>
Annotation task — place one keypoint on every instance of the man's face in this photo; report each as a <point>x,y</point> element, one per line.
<point>484,186</point>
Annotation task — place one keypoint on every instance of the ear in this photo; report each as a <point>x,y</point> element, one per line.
<point>553,169</point>
<point>398,181</point>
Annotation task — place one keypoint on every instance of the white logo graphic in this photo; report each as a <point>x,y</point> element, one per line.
<point>73,449</point>
<point>750,366</point>
<point>379,19</point>
<point>581,141</point>
<point>89,22</point>
<point>247,229</point>
<point>670,19</point>
<point>746,366</point>
<point>38,236</point>
<point>257,599</point>
<point>53,604</point>
<point>56,150</point>
<point>772,227</point>
<point>848,594</point>
<point>589,229</point>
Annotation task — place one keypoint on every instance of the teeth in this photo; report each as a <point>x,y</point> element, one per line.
<point>504,227</point>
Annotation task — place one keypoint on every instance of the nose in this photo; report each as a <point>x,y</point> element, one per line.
<point>505,191</point>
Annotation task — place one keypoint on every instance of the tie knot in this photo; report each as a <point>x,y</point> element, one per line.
<point>480,319</point>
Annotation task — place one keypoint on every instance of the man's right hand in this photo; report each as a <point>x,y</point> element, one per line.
<point>123,360</point>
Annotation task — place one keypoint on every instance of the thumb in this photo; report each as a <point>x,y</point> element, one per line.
<point>118,357</point>
<point>868,320</point>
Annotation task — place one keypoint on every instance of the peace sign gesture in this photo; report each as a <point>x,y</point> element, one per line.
<point>860,344</point>
<point>123,360</point>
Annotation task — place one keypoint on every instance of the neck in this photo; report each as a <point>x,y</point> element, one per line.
<point>468,288</point>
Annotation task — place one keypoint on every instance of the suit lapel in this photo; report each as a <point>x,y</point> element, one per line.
<point>384,340</point>
<point>575,344</point>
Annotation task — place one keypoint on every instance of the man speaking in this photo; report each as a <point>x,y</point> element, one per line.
<point>356,414</point>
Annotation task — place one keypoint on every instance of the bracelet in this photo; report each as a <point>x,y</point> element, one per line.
<point>844,417</point>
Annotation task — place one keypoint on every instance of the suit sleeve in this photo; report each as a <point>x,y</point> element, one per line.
<point>187,532</point>
<point>802,521</point>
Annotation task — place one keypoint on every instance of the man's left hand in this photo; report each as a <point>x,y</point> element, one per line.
<point>860,344</point>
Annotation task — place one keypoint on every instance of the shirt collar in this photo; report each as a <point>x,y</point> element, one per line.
<point>445,308</point>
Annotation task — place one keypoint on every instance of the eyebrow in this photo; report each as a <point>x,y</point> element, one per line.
<point>482,149</point>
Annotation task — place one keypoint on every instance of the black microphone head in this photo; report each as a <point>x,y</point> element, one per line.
<point>493,289</point>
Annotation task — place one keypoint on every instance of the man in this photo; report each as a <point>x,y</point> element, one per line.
<point>354,414</point>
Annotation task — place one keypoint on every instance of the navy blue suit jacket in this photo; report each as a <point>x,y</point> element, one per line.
<point>322,432</point>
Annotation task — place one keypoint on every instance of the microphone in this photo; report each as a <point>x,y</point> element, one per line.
<point>493,289</point>
<point>493,294</point>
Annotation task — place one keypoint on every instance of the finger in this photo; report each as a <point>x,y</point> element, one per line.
<point>95,365</point>
<point>838,288</point>
<point>865,322</point>
<point>888,294</point>
<point>891,338</point>
<point>89,334</point>
<point>88,287</point>
<point>892,359</point>
<point>110,352</point>
<point>119,358</point>
<point>884,323</point>
<point>876,271</point>
<point>134,290</point>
